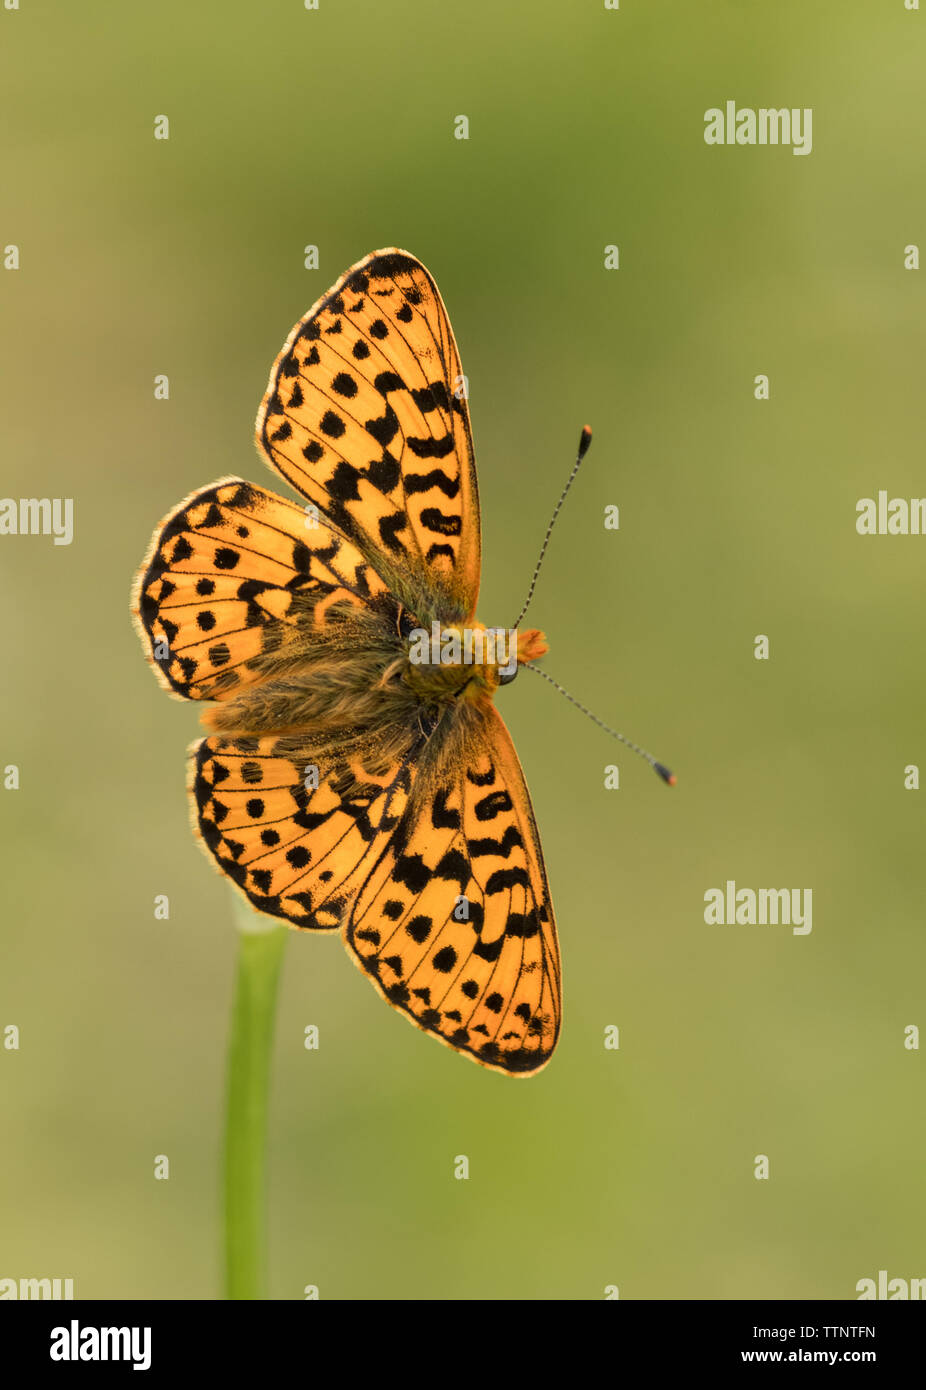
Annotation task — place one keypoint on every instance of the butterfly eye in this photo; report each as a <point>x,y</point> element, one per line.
<point>405,623</point>
<point>506,677</point>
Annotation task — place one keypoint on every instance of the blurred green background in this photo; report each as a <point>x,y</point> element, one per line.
<point>185,257</point>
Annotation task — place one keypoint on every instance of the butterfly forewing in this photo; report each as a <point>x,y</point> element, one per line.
<point>366,415</point>
<point>454,923</point>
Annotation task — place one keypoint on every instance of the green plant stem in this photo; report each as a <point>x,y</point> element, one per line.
<point>260,952</point>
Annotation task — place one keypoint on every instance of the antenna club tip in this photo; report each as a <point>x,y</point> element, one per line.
<point>585,439</point>
<point>668,777</point>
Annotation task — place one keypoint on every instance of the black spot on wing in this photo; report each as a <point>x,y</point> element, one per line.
<point>344,385</point>
<point>442,816</point>
<point>342,485</point>
<point>388,528</point>
<point>501,847</point>
<point>444,960</point>
<point>492,805</point>
<point>481,779</point>
<point>419,928</point>
<point>384,472</point>
<point>504,879</point>
<point>437,448</point>
<point>522,924</point>
<point>424,482</point>
<point>411,870</point>
<point>331,424</point>
<point>453,865</point>
<point>383,428</point>
<point>444,525</point>
<point>388,381</point>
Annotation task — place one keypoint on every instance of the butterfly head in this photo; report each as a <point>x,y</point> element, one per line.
<point>469,661</point>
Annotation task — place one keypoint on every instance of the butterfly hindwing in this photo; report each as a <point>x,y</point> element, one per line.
<point>366,415</point>
<point>294,834</point>
<point>216,590</point>
<point>454,923</point>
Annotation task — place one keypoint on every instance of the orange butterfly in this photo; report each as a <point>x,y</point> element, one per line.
<point>357,776</point>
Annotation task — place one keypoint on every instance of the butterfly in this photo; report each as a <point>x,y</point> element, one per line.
<point>356,775</point>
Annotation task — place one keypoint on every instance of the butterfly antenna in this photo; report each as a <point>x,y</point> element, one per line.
<point>584,440</point>
<point>658,767</point>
